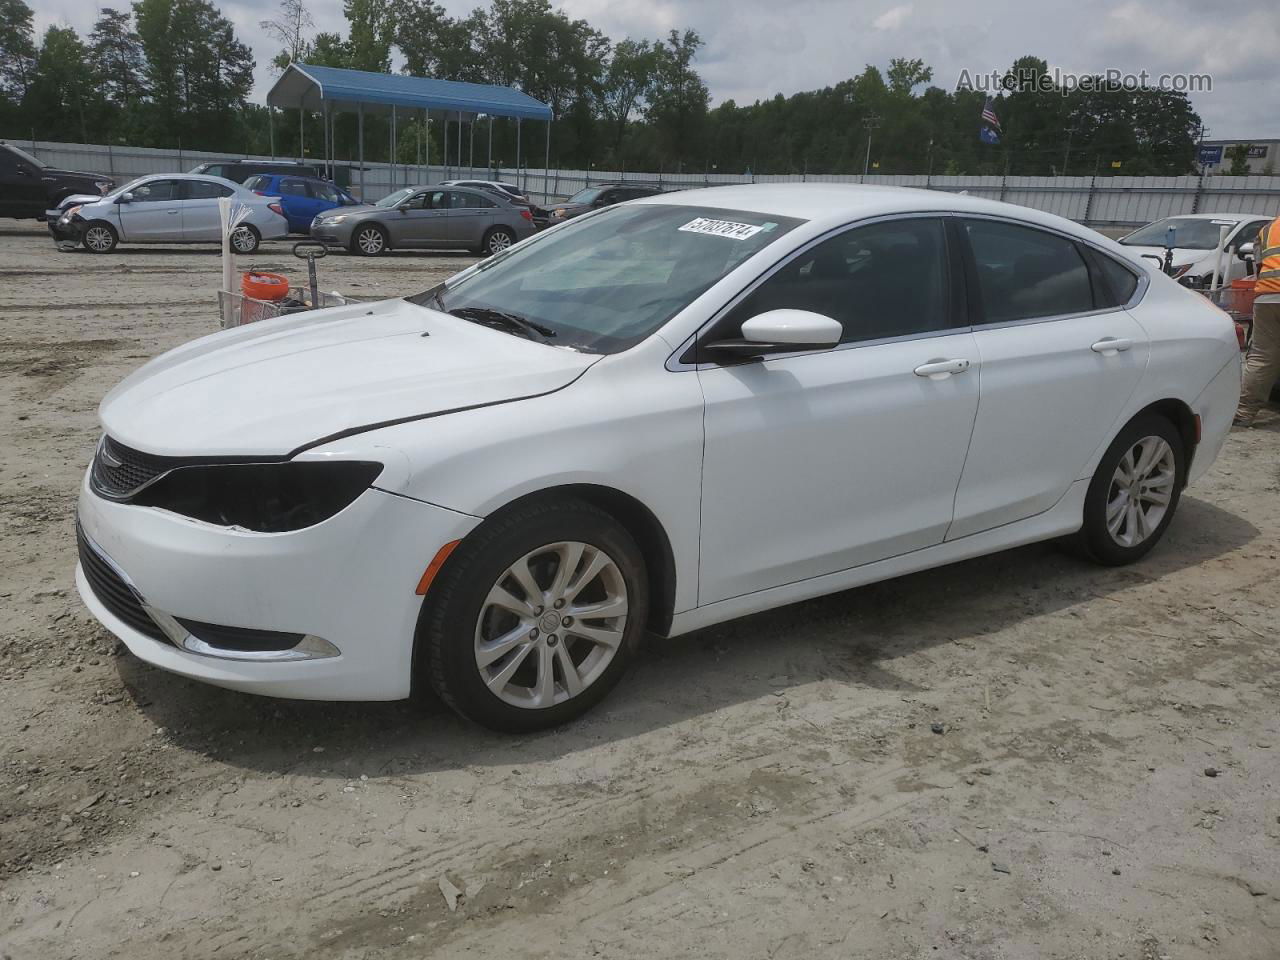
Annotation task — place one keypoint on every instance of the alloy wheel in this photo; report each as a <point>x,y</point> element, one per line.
<point>499,241</point>
<point>98,239</point>
<point>1141,490</point>
<point>242,240</point>
<point>370,240</point>
<point>551,624</point>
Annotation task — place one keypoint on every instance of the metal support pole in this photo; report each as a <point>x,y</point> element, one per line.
<point>459,143</point>
<point>427,114</point>
<point>302,137</point>
<point>471,148</point>
<point>445,118</point>
<point>324,124</point>
<point>421,123</point>
<point>392,171</point>
<point>546,163</point>
<point>271,130</point>
<point>364,197</point>
<point>491,173</point>
<point>517,149</point>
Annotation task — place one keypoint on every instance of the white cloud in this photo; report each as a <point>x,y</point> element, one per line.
<point>892,18</point>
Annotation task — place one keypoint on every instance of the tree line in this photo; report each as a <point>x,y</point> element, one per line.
<point>174,73</point>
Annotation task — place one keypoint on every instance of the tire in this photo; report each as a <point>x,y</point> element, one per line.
<point>245,239</point>
<point>369,240</point>
<point>459,617</point>
<point>1131,534</point>
<point>99,236</point>
<point>496,240</point>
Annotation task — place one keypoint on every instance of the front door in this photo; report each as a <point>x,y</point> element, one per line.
<point>818,462</point>
<point>22,191</point>
<point>1058,367</point>
<point>421,221</point>
<point>154,214</point>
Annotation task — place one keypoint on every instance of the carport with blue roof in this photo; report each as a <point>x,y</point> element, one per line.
<point>331,90</point>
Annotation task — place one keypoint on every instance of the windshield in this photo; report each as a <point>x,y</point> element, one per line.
<point>586,196</point>
<point>23,155</point>
<point>126,188</point>
<point>395,199</point>
<point>1189,233</point>
<point>607,281</point>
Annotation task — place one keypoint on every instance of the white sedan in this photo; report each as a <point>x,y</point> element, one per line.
<point>657,417</point>
<point>171,208</point>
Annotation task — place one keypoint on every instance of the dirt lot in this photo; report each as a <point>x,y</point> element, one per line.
<point>1007,758</point>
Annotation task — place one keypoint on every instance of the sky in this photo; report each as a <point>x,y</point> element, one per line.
<point>758,48</point>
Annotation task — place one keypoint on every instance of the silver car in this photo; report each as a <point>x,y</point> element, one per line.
<point>170,208</point>
<point>427,218</point>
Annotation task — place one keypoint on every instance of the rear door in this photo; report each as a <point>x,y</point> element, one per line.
<point>201,219</point>
<point>471,214</point>
<point>1059,364</point>
<point>154,214</point>
<point>22,192</point>
<point>300,207</point>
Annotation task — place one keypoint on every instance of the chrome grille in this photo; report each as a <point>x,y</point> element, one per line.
<point>120,471</point>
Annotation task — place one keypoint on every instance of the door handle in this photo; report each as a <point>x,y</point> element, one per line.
<point>941,369</point>
<point>1110,346</point>
<point>173,213</point>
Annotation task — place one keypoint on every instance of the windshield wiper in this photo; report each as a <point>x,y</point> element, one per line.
<point>507,321</point>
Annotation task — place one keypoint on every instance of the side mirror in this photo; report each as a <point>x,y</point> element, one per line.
<point>780,331</point>
<point>404,207</point>
<point>1246,251</point>
<point>125,198</point>
<point>598,202</point>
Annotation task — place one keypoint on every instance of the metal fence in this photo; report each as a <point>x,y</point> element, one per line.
<point>1097,201</point>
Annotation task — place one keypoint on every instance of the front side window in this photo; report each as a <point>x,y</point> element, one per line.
<point>25,159</point>
<point>293,188</point>
<point>587,195</point>
<point>157,190</point>
<point>1024,273</point>
<point>609,280</point>
<point>325,191</point>
<point>883,280</point>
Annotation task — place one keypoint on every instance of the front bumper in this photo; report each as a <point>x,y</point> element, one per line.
<point>347,585</point>
<point>66,229</point>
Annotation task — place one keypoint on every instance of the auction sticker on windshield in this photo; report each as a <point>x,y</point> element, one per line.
<point>722,228</point>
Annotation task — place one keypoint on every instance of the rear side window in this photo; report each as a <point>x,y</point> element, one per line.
<point>205,190</point>
<point>882,280</point>
<point>1119,283</point>
<point>1024,273</point>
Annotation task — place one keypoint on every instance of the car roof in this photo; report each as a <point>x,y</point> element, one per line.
<point>1210,216</point>
<point>839,203</point>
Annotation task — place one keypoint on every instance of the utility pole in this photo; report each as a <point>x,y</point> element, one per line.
<point>1067,156</point>
<point>871,123</point>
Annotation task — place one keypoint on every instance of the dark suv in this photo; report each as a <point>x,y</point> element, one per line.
<point>29,187</point>
<point>238,171</point>
<point>600,195</point>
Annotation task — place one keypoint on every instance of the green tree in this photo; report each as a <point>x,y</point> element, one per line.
<point>59,93</point>
<point>17,48</point>
<point>371,31</point>
<point>678,102</point>
<point>115,55</point>
<point>1239,157</point>
<point>627,82</point>
<point>289,29</point>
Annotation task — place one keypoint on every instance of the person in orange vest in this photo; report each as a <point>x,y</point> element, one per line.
<point>1262,366</point>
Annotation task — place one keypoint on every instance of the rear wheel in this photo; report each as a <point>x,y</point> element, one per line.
<point>245,238</point>
<point>99,237</point>
<point>497,240</point>
<point>1134,492</point>
<point>369,240</point>
<point>535,617</point>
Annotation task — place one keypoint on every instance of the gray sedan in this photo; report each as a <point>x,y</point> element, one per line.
<point>426,218</point>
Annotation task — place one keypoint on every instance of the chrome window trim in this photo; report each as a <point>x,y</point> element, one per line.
<point>675,365</point>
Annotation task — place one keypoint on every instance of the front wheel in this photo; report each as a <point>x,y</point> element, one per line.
<point>369,240</point>
<point>99,237</point>
<point>535,616</point>
<point>245,239</point>
<point>1134,492</point>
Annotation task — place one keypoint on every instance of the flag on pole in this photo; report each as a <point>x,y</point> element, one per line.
<point>989,130</point>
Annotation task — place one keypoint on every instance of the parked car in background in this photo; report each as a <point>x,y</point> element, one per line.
<point>427,218</point>
<point>238,171</point>
<point>508,190</point>
<point>303,198</point>
<point>171,208</point>
<point>600,195</point>
<point>669,414</point>
<point>29,187</point>
<point>1196,244</point>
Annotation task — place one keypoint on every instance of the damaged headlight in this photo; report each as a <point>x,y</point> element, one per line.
<point>263,497</point>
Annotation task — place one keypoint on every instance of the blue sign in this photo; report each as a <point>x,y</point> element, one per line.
<point>1210,155</point>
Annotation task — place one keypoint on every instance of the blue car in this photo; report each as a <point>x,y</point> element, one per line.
<point>301,197</point>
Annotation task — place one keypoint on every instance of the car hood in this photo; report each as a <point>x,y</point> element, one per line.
<point>272,387</point>
<point>571,209</point>
<point>89,178</point>
<point>77,199</point>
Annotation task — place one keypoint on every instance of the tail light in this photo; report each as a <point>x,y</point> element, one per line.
<point>526,213</point>
<point>276,208</point>
<point>259,193</point>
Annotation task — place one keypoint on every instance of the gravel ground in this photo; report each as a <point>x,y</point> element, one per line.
<point>1019,756</point>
